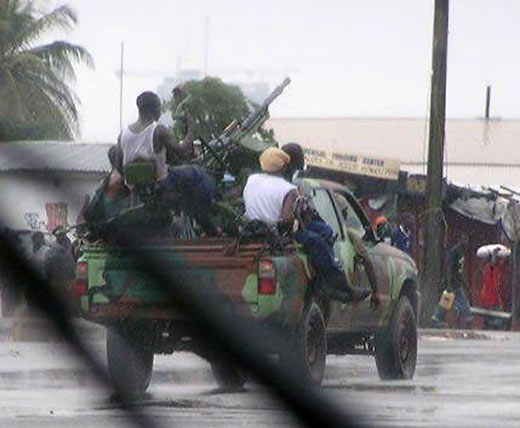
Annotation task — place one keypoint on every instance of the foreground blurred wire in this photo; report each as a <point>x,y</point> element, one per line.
<point>240,336</point>
<point>40,294</point>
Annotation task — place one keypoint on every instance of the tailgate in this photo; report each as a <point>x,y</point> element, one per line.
<point>204,264</point>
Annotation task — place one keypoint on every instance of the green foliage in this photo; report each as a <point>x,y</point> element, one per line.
<point>36,101</point>
<point>213,105</point>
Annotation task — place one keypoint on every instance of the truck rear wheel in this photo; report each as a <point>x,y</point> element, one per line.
<point>396,344</point>
<point>130,364</point>
<point>229,376</point>
<point>307,352</point>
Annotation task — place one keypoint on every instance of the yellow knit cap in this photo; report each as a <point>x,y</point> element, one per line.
<point>273,159</point>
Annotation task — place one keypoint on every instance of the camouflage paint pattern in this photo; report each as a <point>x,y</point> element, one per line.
<point>207,264</point>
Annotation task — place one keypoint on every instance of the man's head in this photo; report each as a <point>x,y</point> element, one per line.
<point>274,160</point>
<point>63,240</point>
<point>149,106</point>
<point>179,92</point>
<point>38,240</point>
<point>380,221</point>
<point>295,152</point>
<point>61,237</point>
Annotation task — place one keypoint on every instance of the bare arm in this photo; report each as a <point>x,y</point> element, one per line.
<point>118,162</point>
<point>288,204</point>
<point>361,251</point>
<point>162,137</point>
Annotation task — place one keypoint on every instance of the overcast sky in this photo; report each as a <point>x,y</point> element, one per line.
<point>345,57</point>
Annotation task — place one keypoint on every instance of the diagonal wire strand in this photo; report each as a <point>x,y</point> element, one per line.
<point>238,335</point>
<point>43,297</point>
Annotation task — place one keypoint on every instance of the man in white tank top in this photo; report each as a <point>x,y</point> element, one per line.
<point>147,140</point>
<point>186,187</point>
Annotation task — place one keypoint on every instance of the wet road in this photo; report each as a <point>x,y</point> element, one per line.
<point>459,383</point>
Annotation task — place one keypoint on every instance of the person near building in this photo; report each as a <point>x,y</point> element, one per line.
<point>60,265</point>
<point>38,252</point>
<point>115,185</point>
<point>454,288</point>
<point>492,283</point>
<point>10,291</point>
<point>383,229</point>
<point>401,237</point>
<point>270,198</point>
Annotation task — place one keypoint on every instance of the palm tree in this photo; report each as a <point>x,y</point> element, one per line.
<point>36,101</point>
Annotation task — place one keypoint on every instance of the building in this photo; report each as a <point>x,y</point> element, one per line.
<point>482,171</point>
<point>44,184</point>
<point>477,152</point>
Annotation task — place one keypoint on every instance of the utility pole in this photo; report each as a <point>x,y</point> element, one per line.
<point>206,45</point>
<point>488,101</point>
<point>121,74</point>
<point>432,278</point>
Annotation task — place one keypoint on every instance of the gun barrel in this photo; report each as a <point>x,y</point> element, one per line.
<point>236,131</point>
<point>276,92</point>
<point>253,117</point>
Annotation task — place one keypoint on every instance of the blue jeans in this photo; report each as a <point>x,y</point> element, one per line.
<point>190,188</point>
<point>190,185</point>
<point>318,240</point>
<point>462,306</point>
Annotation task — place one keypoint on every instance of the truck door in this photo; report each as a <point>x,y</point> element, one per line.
<point>353,316</point>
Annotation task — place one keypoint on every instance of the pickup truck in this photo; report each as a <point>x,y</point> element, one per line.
<point>275,289</point>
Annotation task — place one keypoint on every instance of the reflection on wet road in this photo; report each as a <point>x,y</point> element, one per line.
<point>459,383</point>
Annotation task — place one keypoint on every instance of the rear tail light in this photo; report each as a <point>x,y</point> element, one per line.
<point>266,278</point>
<point>81,279</point>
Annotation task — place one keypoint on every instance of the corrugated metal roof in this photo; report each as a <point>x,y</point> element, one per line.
<point>467,140</point>
<point>53,156</point>
<point>489,175</point>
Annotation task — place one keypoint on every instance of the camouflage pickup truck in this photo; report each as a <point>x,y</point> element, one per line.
<point>278,289</point>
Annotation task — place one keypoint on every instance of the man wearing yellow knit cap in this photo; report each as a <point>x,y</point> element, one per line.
<point>269,198</point>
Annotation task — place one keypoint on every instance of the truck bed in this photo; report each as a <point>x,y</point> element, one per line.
<point>118,288</point>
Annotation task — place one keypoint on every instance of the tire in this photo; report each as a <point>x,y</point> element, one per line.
<point>130,364</point>
<point>229,376</point>
<point>396,344</point>
<point>307,351</point>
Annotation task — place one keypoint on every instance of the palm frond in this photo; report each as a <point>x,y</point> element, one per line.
<point>10,91</point>
<point>35,95</point>
<point>61,56</point>
<point>56,96</point>
<point>62,17</point>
